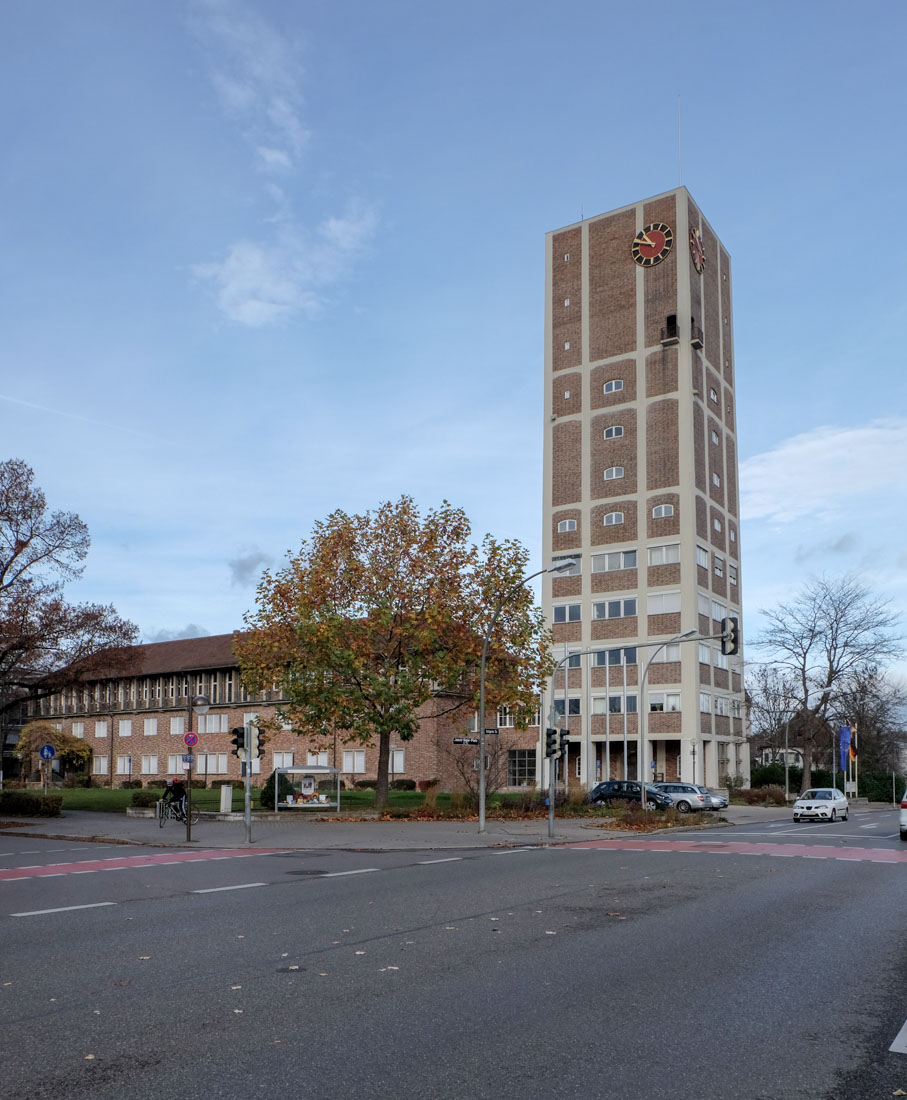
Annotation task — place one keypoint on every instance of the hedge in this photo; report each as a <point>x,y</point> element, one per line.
<point>30,803</point>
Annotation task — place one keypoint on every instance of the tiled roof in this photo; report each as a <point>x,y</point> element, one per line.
<point>164,658</point>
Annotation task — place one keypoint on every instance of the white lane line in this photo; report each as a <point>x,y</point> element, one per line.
<point>899,1046</point>
<point>219,889</point>
<point>64,909</point>
<point>874,825</point>
<point>450,859</point>
<point>512,851</point>
<point>340,874</point>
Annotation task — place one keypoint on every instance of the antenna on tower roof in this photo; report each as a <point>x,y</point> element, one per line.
<point>679,162</point>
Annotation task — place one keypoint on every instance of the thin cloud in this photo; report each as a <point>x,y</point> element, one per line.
<point>822,471</point>
<point>112,424</point>
<point>190,630</point>
<point>246,566</point>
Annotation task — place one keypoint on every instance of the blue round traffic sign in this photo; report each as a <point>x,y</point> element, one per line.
<point>191,738</point>
<point>48,752</point>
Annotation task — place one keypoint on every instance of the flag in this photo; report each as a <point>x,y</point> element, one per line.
<point>853,742</point>
<point>844,742</point>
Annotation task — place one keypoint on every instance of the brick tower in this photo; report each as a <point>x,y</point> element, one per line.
<point>640,482</point>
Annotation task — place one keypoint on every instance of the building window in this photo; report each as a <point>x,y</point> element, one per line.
<point>664,555</point>
<point>174,763</point>
<point>99,765</point>
<point>625,656</point>
<point>125,728</point>
<point>719,659</point>
<point>614,432</point>
<point>613,472</point>
<point>716,480</point>
<point>354,761</point>
<point>78,729</point>
<point>722,706</point>
<point>211,763</point>
<point>566,301</point>
<point>151,728</point>
<point>715,438</point>
<point>668,654</point>
<point>719,566</point>
<point>614,609</point>
<point>662,511</point>
<point>566,395</point>
<point>615,385</point>
<point>619,559</point>
<point>713,396</point>
<point>178,725</point>
<point>574,660</point>
<point>573,707</point>
<point>100,728</point>
<point>732,574</point>
<point>566,525</point>
<point>612,519</point>
<point>521,767</point>
<point>736,709</point>
<point>149,765</point>
<point>663,603</point>
<point>703,604</point>
<point>614,704</point>
<point>283,760</point>
<point>705,703</point>
<point>320,759</point>
<point>396,762</point>
<point>124,765</point>
<point>505,718</point>
<point>702,557</point>
<point>716,523</point>
<point>719,611</point>
<point>705,654</point>
<point>566,257</point>
<point>664,701</point>
<point>568,613</point>
<point>566,345</point>
<point>212,723</point>
<point>733,535</point>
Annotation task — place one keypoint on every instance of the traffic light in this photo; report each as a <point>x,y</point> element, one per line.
<point>730,636</point>
<point>565,738</point>
<point>551,743</point>
<point>239,740</point>
<point>256,743</point>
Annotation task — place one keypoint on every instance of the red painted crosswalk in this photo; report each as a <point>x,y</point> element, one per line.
<point>745,848</point>
<point>122,863</point>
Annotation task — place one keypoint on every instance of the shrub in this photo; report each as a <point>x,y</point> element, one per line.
<point>146,798</point>
<point>427,784</point>
<point>763,796</point>
<point>215,783</point>
<point>131,784</point>
<point>330,785</point>
<point>403,785</point>
<point>30,803</point>
<point>366,784</point>
<point>733,783</point>
<point>266,798</point>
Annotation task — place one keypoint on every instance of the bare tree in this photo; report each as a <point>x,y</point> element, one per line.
<point>772,699</point>
<point>45,642</point>
<point>820,640</point>
<point>875,705</point>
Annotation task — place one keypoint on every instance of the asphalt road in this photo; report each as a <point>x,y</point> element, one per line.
<point>765,962</point>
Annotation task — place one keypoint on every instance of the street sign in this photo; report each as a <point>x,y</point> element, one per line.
<point>466,740</point>
<point>188,758</point>
<point>48,752</point>
<point>488,733</point>
<point>191,738</point>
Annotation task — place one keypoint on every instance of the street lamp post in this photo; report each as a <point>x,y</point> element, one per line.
<point>201,705</point>
<point>561,567</point>
<point>687,635</point>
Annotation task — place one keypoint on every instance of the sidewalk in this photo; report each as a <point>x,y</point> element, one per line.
<point>340,833</point>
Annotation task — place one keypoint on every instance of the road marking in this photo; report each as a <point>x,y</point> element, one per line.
<point>765,848</point>
<point>218,889</point>
<point>64,909</point>
<point>512,851</point>
<point>125,863</point>
<point>874,825</point>
<point>450,859</point>
<point>899,1046</point>
<point>340,874</point>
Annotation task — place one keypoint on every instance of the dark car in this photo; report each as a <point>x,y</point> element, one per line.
<point>622,790</point>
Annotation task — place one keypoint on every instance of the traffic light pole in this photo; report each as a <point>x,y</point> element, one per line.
<point>247,807</point>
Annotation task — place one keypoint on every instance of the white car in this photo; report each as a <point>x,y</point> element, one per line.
<point>903,817</point>
<point>823,804</point>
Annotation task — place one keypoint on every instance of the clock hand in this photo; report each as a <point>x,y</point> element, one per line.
<point>646,239</point>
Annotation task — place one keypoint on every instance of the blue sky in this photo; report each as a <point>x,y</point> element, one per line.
<point>264,259</point>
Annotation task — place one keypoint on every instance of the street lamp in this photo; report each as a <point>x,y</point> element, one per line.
<point>686,636</point>
<point>823,692</point>
<point>201,704</point>
<point>561,567</point>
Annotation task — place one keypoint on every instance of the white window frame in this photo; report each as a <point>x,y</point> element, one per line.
<point>613,562</point>
<point>613,385</point>
<point>149,764</point>
<point>718,565</point>
<point>505,718</point>
<point>663,603</point>
<point>615,431</point>
<point>612,519</point>
<point>216,763</point>
<point>150,727</point>
<point>283,759</point>
<point>354,761</point>
<point>101,728</point>
<point>613,473</point>
<point>212,723</point>
<point>396,763</point>
<point>666,554</point>
<point>124,728</point>
<point>566,525</point>
<point>178,725</point>
<point>99,764</point>
<point>716,523</point>
<point>664,702</point>
<point>662,511</point>
<point>174,763</point>
<point>320,759</point>
<point>668,655</point>
<point>607,605</point>
<point>732,574</point>
<point>124,764</point>
<point>78,730</point>
<point>705,703</point>
<point>567,613</point>
<point>702,557</point>
<point>716,480</point>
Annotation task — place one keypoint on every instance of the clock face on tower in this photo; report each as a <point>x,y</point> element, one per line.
<point>652,244</point>
<point>696,252</point>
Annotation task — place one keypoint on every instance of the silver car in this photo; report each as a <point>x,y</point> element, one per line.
<point>685,796</point>
<point>713,801</point>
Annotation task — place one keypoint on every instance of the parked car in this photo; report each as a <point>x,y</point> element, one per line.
<point>685,796</point>
<point>903,817</point>
<point>823,804</point>
<point>713,801</point>
<point>622,790</point>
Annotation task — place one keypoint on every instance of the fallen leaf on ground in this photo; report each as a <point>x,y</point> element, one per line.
<point>88,1057</point>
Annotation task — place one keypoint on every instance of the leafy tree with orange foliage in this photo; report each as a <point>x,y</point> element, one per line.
<point>379,613</point>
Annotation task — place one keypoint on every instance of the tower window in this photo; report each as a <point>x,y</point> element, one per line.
<point>614,432</point>
<point>566,301</point>
<point>566,257</point>
<point>566,345</point>
<point>613,518</point>
<point>613,472</point>
<point>715,438</point>
<point>716,523</point>
<point>566,395</point>
<point>662,511</point>
<point>713,396</point>
<point>566,525</point>
<point>614,385</point>
<point>716,480</point>
<point>567,613</point>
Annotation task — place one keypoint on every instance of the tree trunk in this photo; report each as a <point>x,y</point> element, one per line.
<point>384,755</point>
<point>806,781</point>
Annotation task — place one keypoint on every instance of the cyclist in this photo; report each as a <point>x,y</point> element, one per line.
<point>176,796</point>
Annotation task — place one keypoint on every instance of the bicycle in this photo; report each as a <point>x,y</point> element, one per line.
<point>175,811</point>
